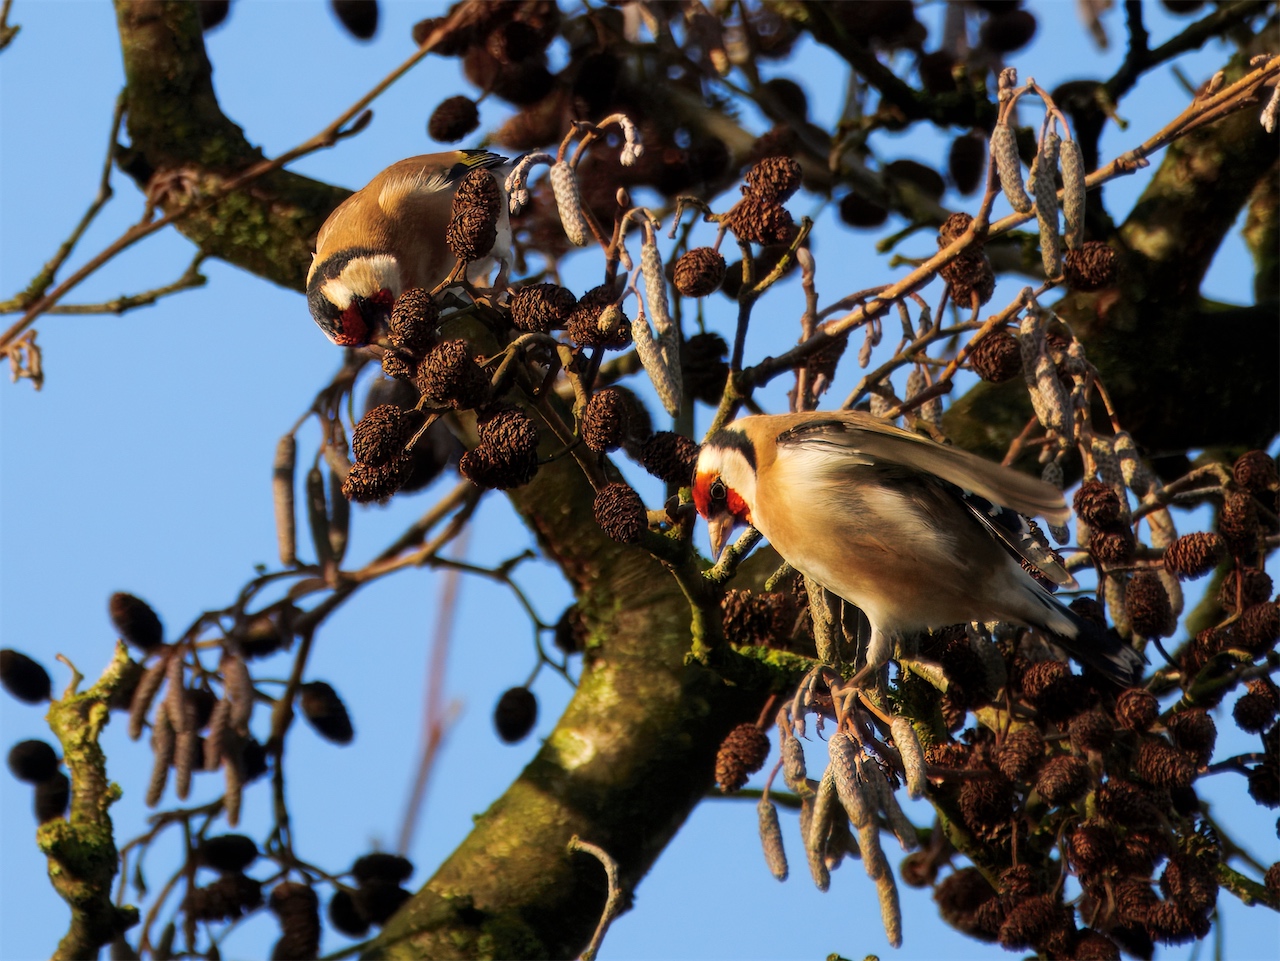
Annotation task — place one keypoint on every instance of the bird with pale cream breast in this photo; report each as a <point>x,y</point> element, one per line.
<point>915,534</point>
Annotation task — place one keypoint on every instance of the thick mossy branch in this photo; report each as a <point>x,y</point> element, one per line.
<point>629,759</point>
<point>81,850</point>
<point>183,147</point>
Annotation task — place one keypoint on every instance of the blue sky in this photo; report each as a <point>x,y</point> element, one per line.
<point>144,465</point>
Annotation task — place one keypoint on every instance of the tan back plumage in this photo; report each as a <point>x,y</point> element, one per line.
<point>856,431</point>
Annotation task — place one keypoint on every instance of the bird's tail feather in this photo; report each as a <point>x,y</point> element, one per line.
<point>1090,643</point>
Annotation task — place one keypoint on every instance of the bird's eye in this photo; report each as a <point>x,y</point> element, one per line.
<point>718,491</point>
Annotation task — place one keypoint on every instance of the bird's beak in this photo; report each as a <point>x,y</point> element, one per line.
<point>719,527</point>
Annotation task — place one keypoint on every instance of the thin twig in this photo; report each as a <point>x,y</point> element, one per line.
<point>612,905</point>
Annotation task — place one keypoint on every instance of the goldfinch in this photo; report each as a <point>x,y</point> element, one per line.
<point>915,534</point>
<point>388,237</point>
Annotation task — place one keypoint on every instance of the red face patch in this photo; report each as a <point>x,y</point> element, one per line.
<point>354,332</point>
<point>710,501</point>
<point>383,298</point>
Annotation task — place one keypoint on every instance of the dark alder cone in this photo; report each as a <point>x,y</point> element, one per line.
<point>1090,610</point>
<point>511,430</point>
<point>1255,711</point>
<point>1030,921</point>
<point>450,374</point>
<point>366,483</point>
<point>703,366</point>
<point>23,677</point>
<point>381,434</point>
<point>1238,524</point>
<point>997,357</point>
<point>1063,779</point>
<point>773,179</point>
<point>741,754</point>
<point>1134,901</point>
<point>1194,555</point>
<point>1255,472</point>
<point>966,161</point>
<point>620,513</point>
<point>760,221</point>
<point>522,84</point>
<point>971,278</point>
<point>231,896</point>
<point>935,70</point>
<point>325,712</point>
<point>1134,940</point>
<point>298,909</point>
<point>1147,604</point>
<point>1091,266</point>
<point>922,176</point>
<point>53,796</point>
<point>378,900</point>
<point>489,471</point>
<point>413,321</point>
<point>136,621</point>
<point>671,457</point>
<point>1272,881</point>
<point>1053,690</point>
<point>1097,504</point>
<point>1008,31</point>
<point>1091,731</point>
<point>344,915</point>
<point>951,228</point>
<point>227,852</point>
<point>919,869</point>
<point>987,805</point>
<point>359,17</point>
<point>571,633</point>
<point>1167,923</point>
<point>476,206</point>
<point>1113,544</point>
<point>399,364</point>
<point>541,308</point>
<point>453,119</point>
<point>1190,883</point>
<point>699,272</point>
<point>452,44</point>
<point>857,211</point>
<point>951,756</point>
<point>1264,784</point>
<point>1164,766</point>
<point>1137,709</point>
<point>750,618</point>
<point>583,324</point>
<point>1242,589</point>
<point>966,671</point>
<point>1195,732</point>
<point>1090,848</point>
<point>960,896</point>
<point>515,714</point>
<point>777,141</point>
<point>33,761</point>
<point>1021,754</point>
<point>507,455</point>
<point>605,421</point>
<point>253,760</point>
<point>382,866</point>
<point>212,12</point>
<point>514,41</point>
<point>1094,946</point>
